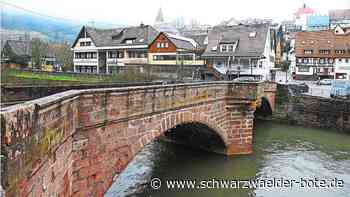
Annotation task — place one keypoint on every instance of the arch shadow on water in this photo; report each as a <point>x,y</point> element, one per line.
<point>196,135</point>
<point>265,109</point>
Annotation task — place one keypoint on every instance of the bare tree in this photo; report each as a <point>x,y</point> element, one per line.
<point>38,51</point>
<point>64,56</point>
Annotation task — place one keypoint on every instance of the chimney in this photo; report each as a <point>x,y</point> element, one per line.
<point>142,25</point>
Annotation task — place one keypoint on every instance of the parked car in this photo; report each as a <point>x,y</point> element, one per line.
<point>340,89</point>
<point>325,82</point>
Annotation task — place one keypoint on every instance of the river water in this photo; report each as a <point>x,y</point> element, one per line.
<point>311,157</point>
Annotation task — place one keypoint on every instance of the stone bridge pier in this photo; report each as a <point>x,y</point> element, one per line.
<point>74,143</point>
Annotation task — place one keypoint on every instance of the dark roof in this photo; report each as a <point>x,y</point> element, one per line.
<point>24,48</point>
<point>200,39</point>
<point>181,42</point>
<point>247,46</point>
<point>143,35</point>
<point>19,48</point>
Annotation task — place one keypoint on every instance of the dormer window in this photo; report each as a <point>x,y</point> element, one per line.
<point>230,47</point>
<point>324,52</point>
<point>82,44</point>
<point>130,41</point>
<point>308,51</point>
<point>88,43</point>
<point>223,48</point>
<point>162,45</point>
<point>252,34</point>
<point>339,51</point>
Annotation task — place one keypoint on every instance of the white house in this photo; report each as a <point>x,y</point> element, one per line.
<point>246,50</point>
<point>101,50</point>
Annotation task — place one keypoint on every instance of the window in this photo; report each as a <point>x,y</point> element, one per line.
<point>254,62</point>
<point>303,69</point>
<point>322,61</point>
<point>131,54</point>
<point>82,44</point>
<point>120,54</point>
<point>162,45</point>
<point>324,52</point>
<point>158,45</point>
<point>164,57</point>
<point>339,51</point>
<point>339,60</point>
<point>141,54</point>
<point>308,51</point>
<point>347,60</point>
<point>129,41</point>
<point>223,48</point>
<point>230,48</point>
<point>166,45</point>
<point>88,43</point>
<point>112,54</point>
<point>94,55</point>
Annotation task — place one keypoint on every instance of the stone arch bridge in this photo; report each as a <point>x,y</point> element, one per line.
<point>74,143</point>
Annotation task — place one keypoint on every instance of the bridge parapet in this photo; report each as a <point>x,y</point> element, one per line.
<point>73,143</point>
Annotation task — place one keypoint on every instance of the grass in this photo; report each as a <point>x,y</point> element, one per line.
<point>23,77</point>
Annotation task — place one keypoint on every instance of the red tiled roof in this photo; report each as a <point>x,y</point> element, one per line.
<point>322,40</point>
<point>304,10</point>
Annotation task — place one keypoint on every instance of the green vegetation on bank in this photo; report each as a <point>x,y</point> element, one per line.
<point>27,77</point>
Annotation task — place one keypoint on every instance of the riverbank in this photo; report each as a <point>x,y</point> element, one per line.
<point>294,108</point>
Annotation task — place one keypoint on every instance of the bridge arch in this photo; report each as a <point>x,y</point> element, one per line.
<point>264,108</point>
<point>77,141</point>
<point>196,135</point>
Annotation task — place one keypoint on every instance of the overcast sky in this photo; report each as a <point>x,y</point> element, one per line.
<point>132,12</point>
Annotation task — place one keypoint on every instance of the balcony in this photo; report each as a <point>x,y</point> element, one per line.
<point>85,62</point>
<point>133,60</point>
<point>314,64</point>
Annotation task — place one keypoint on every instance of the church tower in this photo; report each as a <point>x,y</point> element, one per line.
<point>160,17</point>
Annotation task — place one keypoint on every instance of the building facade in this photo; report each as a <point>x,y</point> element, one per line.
<point>301,15</point>
<point>342,70</point>
<point>317,52</point>
<point>339,18</point>
<point>317,22</point>
<point>102,50</point>
<point>169,49</point>
<point>243,49</point>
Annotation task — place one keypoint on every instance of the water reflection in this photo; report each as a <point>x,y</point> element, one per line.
<point>280,151</point>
